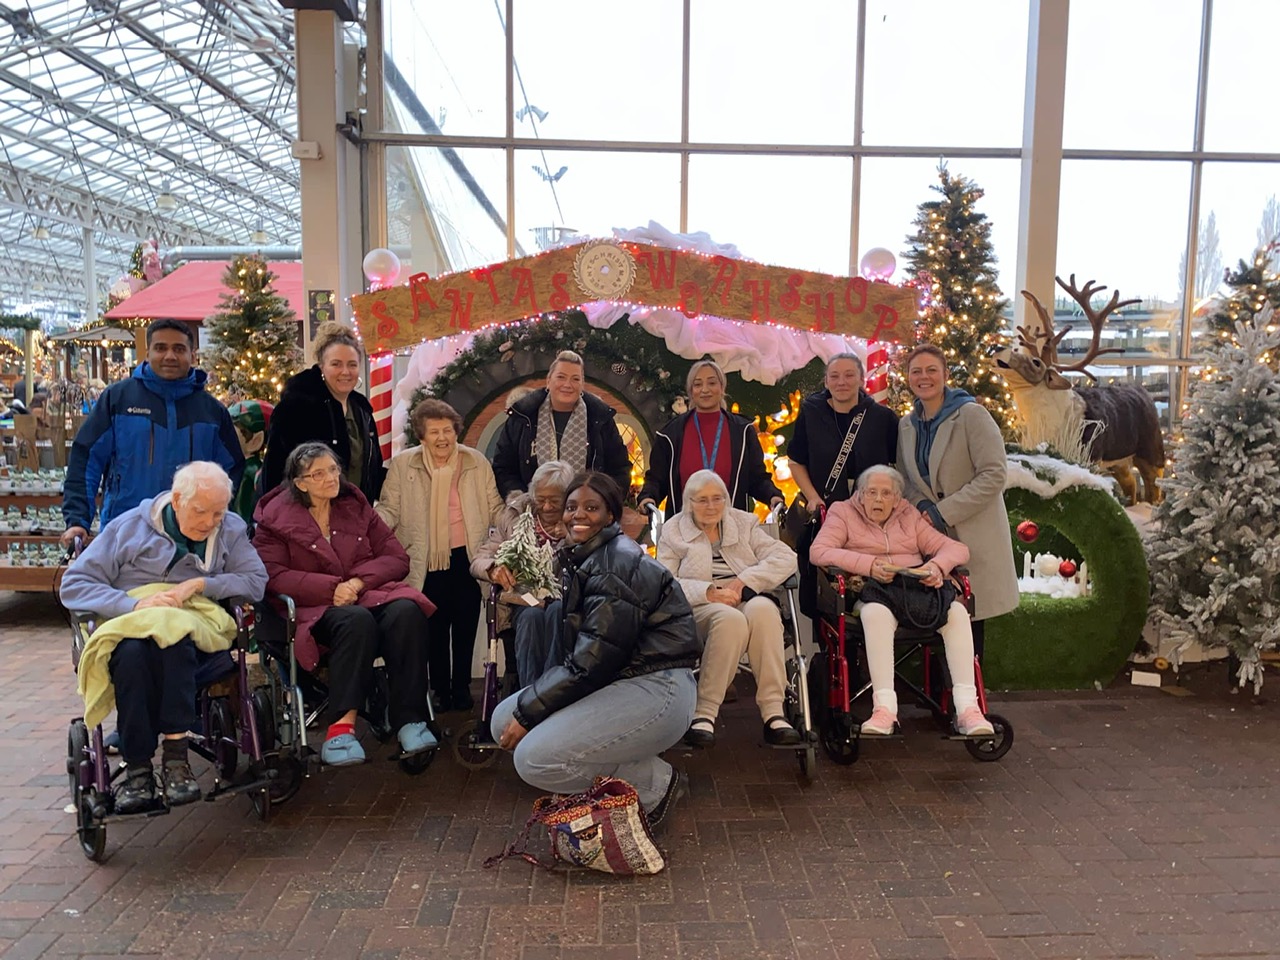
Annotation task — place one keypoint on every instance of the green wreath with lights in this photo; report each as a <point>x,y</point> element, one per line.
<point>19,321</point>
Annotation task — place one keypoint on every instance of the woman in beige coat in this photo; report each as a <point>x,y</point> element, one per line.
<point>440,499</point>
<point>952,455</point>
<point>722,558</point>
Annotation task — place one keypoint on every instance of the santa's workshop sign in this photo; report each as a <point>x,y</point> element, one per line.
<point>696,284</point>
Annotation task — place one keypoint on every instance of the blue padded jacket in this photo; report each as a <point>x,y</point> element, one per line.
<point>138,434</point>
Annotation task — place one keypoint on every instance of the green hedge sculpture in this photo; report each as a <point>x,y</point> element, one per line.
<point>1071,643</point>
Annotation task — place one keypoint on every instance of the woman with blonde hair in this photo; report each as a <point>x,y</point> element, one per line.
<point>322,404</point>
<point>440,500</point>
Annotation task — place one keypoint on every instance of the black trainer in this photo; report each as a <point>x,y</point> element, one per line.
<point>137,792</point>
<point>676,789</point>
<point>180,783</point>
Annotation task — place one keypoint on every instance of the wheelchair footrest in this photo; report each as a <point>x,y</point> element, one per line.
<point>878,737</point>
<point>975,738</point>
<point>402,755</point>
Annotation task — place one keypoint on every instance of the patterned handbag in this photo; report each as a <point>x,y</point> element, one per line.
<point>603,828</point>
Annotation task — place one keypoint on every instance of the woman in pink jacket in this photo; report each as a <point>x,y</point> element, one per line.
<point>324,546</point>
<point>872,534</point>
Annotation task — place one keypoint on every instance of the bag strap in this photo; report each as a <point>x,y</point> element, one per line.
<point>543,808</point>
<point>850,435</point>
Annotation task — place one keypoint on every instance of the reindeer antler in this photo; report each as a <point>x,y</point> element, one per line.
<point>1030,339</point>
<point>1097,318</point>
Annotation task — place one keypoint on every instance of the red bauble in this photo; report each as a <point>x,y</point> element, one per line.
<point>1028,531</point>
<point>1066,569</point>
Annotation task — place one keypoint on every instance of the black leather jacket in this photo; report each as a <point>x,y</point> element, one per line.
<point>624,616</point>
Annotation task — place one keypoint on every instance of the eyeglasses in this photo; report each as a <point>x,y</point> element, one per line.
<point>715,501</point>
<point>315,476</point>
<point>549,502</point>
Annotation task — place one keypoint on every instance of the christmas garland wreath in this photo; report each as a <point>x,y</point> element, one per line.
<point>19,321</point>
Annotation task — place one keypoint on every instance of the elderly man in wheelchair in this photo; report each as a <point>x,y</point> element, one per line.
<point>145,578</point>
<point>878,535</point>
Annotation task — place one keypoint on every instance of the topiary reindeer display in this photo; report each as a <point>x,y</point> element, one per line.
<point>1115,426</point>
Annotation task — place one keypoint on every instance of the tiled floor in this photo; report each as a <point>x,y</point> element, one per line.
<point>1123,824</point>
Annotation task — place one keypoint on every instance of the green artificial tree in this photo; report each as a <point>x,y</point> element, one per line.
<point>532,563</point>
<point>951,254</point>
<point>254,335</point>
<point>1251,289</point>
<point>1215,563</point>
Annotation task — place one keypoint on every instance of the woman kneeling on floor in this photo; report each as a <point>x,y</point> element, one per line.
<point>625,690</point>
<point>726,564</point>
<point>876,533</point>
<point>324,546</point>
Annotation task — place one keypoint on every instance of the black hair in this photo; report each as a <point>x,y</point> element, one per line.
<point>183,328</point>
<point>604,485</point>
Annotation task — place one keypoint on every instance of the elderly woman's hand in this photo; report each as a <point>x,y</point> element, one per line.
<point>935,578</point>
<point>502,577</point>
<point>345,594</point>
<point>880,570</point>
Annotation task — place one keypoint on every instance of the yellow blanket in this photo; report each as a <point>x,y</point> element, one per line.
<point>209,626</point>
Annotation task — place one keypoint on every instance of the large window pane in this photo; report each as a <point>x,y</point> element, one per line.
<point>604,71</point>
<point>894,187</point>
<point>445,68</point>
<point>1242,50</point>
<point>906,102</point>
<point>1156,380</point>
<point>592,192</point>
<point>1124,224</point>
<point>786,211</point>
<point>764,72</point>
<point>446,208</point>
<point>1131,74</point>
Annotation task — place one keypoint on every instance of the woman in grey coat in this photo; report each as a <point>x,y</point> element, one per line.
<point>952,455</point>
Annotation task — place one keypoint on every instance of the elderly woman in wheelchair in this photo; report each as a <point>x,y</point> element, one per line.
<point>726,564</point>
<point>879,535</point>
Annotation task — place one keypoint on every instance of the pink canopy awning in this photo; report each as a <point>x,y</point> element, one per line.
<point>193,291</point>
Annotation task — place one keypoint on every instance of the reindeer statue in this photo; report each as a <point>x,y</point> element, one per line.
<point>1116,426</point>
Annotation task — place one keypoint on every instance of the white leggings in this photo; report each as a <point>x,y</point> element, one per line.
<point>879,624</point>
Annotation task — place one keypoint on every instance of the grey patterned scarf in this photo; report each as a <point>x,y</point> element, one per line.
<point>572,447</point>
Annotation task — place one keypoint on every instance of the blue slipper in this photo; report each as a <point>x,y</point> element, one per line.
<point>344,750</point>
<point>416,738</point>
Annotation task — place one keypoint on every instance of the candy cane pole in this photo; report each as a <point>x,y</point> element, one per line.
<point>380,366</point>
<point>877,371</point>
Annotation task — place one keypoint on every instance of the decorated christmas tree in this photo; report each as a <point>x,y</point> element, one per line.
<point>951,251</point>
<point>1250,289</point>
<point>254,335</point>
<point>530,562</point>
<point>1215,562</point>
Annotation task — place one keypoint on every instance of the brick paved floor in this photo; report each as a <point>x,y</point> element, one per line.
<point>1123,824</point>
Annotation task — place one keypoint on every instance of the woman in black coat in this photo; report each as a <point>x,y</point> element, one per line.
<point>708,437</point>
<point>625,691</point>
<point>322,404</point>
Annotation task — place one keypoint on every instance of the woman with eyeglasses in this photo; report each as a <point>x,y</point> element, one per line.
<point>726,564</point>
<point>440,499</point>
<point>322,404</point>
<point>325,547</point>
<point>707,437</point>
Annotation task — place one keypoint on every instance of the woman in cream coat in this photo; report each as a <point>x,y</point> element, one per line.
<point>953,457</point>
<point>722,558</point>
<point>440,499</point>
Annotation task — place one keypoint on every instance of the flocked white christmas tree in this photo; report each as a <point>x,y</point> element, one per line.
<point>1215,558</point>
<point>532,563</point>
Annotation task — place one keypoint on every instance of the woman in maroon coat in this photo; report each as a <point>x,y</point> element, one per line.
<point>324,546</point>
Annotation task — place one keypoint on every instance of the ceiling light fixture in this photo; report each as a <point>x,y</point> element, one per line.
<point>166,200</point>
<point>40,233</point>
<point>259,235</point>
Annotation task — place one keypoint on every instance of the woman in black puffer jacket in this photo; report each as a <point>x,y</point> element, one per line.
<point>626,691</point>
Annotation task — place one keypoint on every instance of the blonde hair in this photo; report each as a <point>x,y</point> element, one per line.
<point>703,365</point>
<point>333,333</point>
<point>567,356</point>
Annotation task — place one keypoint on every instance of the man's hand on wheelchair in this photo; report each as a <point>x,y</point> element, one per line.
<point>71,534</point>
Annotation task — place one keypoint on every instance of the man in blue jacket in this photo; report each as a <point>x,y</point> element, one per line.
<point>143,429</point>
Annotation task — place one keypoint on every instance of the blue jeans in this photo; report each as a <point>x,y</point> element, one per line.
<point>538,640</point>
<point>618,731</point>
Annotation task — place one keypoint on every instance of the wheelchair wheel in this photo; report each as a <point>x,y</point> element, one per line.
<point>77,753</point>
<point>222,738</point>
<point>838,738</point>
<point>90,831</point>
<point>264,717</point>
<point>995,748</point>
<point>418,763</point>
<point>808,758</point>
<point>465,749</point>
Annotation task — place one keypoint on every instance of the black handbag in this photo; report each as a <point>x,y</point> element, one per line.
<point>911,602</point>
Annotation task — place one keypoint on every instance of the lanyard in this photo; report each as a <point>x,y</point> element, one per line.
<point>715,447</point>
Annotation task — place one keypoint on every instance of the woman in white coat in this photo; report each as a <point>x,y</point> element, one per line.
<point>952,455</point>
<point>722,558</point>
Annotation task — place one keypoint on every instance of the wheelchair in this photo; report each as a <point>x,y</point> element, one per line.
<point>300,698</point>
<point>837,629</point>
<point>796,697</point>
<point>235,719</point>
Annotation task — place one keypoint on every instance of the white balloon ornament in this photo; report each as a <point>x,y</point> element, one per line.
<point>878,264</point>
<point>381,267</point>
